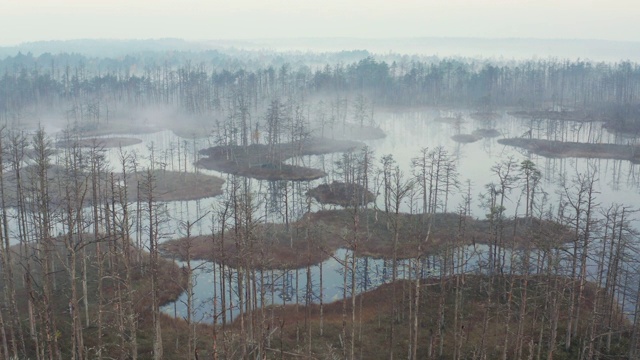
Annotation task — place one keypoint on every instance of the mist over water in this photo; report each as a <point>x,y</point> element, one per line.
<point>406,133</point>
<point>291,179</point>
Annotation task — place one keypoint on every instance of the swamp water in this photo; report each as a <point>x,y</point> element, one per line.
<point>407,133</point>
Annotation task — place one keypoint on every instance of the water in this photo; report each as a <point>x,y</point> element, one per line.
<point>279,287</point>
<point>407,133</point>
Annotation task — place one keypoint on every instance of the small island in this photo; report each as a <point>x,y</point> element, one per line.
<point>266,162</point>
<point>580,116</point>
<point>174,185</point>
<point>550,148</point>
<point>485,116</point>
<point>342,194</point>
<point>314,238</point>
<point>465,138</point>
<point>486,133</point>
<point>101,143</point>
<point>476,135</point>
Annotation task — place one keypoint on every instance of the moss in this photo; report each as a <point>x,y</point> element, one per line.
<point>100,143</point>
<point>266,162</point>
<point>465,138</point>
<point>374,318</point>
<point>551,148</point>
<point>339,193</point>
<point>316,236</point>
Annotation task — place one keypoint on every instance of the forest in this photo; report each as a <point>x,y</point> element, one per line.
<point>237,204</point>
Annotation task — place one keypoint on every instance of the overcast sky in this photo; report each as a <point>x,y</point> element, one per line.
<point>31,20</point>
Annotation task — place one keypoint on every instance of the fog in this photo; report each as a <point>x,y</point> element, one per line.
<point>319,180</point>
<point>34,20</point>
<point>497,49</point>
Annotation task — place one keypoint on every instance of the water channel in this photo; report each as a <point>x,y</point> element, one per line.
<point>407,133</point>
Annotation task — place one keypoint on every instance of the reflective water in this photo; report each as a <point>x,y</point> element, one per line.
<point>407,133</point>
<point>290,286</point>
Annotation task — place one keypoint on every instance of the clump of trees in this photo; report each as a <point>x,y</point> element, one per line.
<point>88,94</point>
<point>535,280</point>
<point>77,282</point>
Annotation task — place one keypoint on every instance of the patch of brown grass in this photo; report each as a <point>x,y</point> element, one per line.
<point>486,133</point>
<point>374,314</point>
<point>265,162</point>
<point>465,138</point>
<point>174,186</point>
<point>99,143</point>
<point>113,128</point>
<point>172,280</point>
<point>316,236</point>
<point>550,148</point>
<point>581,116</point>
<point>339,193</point>
<point>485,116</point>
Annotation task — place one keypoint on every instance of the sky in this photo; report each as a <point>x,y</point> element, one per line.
<point>35,20</point>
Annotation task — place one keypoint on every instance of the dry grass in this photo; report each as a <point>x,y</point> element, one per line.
<point>561,149</point>
<point>581,116</point>
<point>485,116</point>
<point>99,143</point>
<point>486,133</point>
<point>339,193</point>
<point>114,127</point>
<point>317,236</point>
<point>173,281</point>
<point>265,162</point>
<point>465,138</point>
<point>374,314</point>
<point>175,186</point>
<point>168,186</point>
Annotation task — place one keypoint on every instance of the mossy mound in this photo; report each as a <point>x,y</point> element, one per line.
<point>339,193</point>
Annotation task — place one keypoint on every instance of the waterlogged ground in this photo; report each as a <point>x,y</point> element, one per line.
<point>290,286</point>
<point>281,287</point>
<point>406,134</point>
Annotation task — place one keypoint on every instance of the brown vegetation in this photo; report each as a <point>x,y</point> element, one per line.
<point>178,186</point>
<point>169,185</point>
<point>265,162</point>
<point>465,138</point>
<point>581,116</point>
<point>485,116</point>
<point>374,313</point>
<point>612,122</point>
<point>551,148</point>
<point>486,133</point>
<point>172,278</point>
<point>277,246</point>
<point>100,143</point>
<point>343,194</point>
<point>622,126</point>
<point>114,127</point>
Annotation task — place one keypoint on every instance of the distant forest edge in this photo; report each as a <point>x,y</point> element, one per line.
<point>202,83</point>
<point>498,48</point>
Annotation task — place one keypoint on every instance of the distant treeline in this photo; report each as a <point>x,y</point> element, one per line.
<point>204,81</point>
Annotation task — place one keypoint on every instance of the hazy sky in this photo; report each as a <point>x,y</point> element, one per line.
<point>30,20</point>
